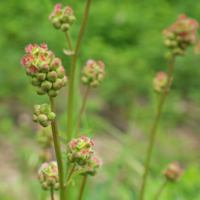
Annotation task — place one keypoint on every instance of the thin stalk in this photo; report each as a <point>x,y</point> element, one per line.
<point>160,190</point>
<point>54,127</point>
<point>52,195</point>
<point>71,172</point>
<point>69,42</point>
<point>154,129</point>
<point>82,188</point>
<point>72,72</point>
<point>81,111</point>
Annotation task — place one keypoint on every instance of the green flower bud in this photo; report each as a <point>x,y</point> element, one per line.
<point>46,85</point>
<point>85,80</point>
<point>41,178</point>
<point>58,84</point>
<point>65,27</point>
<point>40,90</point>
<point>37,112</point>
<point>65,80</point>
<point>41,76</point>
<point>36,107</point>
<point>60,72</point>
<point>45,124</point>
<point>56,186</point>
<point>53,93</point>
<point>51,55</point>
<point>65,18</point>
<point>45,186</point>
<point>51,181</point>
<point>44,68</point>
<point>35,118</point>
<point>94,83</point>
<point>42,118</point>
<point>55,63</point>
<point>56,23</point>
<point>28,72</point>
<point>45,109</point>
<point>51,76</point>
<point>34,81</point>
<point>72,19</point>
<point>51,116</point>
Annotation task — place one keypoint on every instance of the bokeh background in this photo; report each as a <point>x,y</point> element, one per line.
<point>126,36</point>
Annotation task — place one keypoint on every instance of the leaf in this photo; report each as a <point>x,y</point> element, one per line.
<point>68,52</point>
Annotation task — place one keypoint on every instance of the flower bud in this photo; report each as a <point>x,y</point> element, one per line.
<point>72,19</point>
<point>28,72</point>
<point>51,55</point>
<point>45,124</point>
<point>36,107</point>
<point>44,68</point>
<point>41,178</point>
<point>35,118</point>
<point>84,80</point>
<point>45,109</point>
<point>45,186</point>
<point>58,84</point>
<point>35,82</point>
<point>40,90</point>
<point>65,18</point>
<point>60,72</point>
<point>53,93</point>
<point>41,76</point>
<point>65,80</point>
<point>56,23</point>
<point>42,118</point>
<point>46,85</point>
<point>50,181</point>
<point>94,83</point>
<point>65,27</point>
<point>56,186</point>
<point>51,116</point>
<point>55,63</point>
<point>52,76</point>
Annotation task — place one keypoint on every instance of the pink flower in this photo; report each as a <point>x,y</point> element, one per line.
<point>28,48</point>
<point>90,63</point>
<point>44,46</point>
<point>160,74</point>
<point>69,9</point>
<point>56,12</point>
<point>92,143</point>
<point>58,6</point>
<point>101,64</point>
<point>33,69</point>
<point>182,16</point>
<point>23,62</point>
<point>42,58</point>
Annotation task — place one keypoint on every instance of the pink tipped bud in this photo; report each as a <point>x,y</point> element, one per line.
<point>42,118</point>
<point>40,90</point>
<point>65,27</point>
<point>51,116</point>
<point>58,6</point>
<point>41,76</point>
<point>44,68</point>
<point>52,76</point>
<point>65,80</point>
<point>46,85</point>
<point>53,93</point>
<point>55,63</point>
<point>60,72</point>
<point>58,84</point>
<point>34,81</point>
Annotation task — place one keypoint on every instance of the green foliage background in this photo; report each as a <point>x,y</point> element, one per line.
<point>127,36</point>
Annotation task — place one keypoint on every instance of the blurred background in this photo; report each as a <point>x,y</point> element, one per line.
<point>127,36</point>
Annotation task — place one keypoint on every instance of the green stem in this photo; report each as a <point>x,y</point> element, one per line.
<point>69,42</point>
<point>154,129</point>
<point>71,172</point>
<point>81,111</point>
<point>52,195</point>
<point>160,190</point>
<point>54,128</point>
<point>72,72</point>
<point>82,188</point>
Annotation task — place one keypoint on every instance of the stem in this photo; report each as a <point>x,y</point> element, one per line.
<point>72,72</point>
<point>161,189</point>
<point>52,195</point>
<point>154,128</point>
<point>82,188</point>
<point>71,172</point>
<point>81,111</point>
<point>54,128</point>
<point>69,42</point>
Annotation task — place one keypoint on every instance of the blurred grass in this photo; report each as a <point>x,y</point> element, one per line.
<point>126,35</point>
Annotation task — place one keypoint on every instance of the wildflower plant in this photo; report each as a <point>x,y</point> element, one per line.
<point>48,76</point>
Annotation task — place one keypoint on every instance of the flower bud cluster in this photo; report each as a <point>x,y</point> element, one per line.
<point>47,72</point>
<point>93,164</point>
<point>48,176</point>
<point>43,115</point>
<point>45,137</point>
<point>93,73</point>
<point>180,35</point>
<point>80,151</point>
<point>173,171</point>
<point>62,18</point>
<point>160,82</point>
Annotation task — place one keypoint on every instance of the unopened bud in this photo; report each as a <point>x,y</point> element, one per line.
<point>51,116</point>
<point>60,72</point>
<point>56,23</point>
<point>47,85</point>
<point>58,84</point>
<point>42,118</point>
<point>34,81</point>
<point>85,80</point>
<point>51,55</point>
<point>56,186</point>
<point>40,178</point>
<point>51,76</point>
<point>45,109</point>
<point>44,68</point>
<point>51,181</point>
<point>53,93</point>
<point>35,118</point>
<point>45,186</point>
<point>40,90</point>
<point>65,80</point>
<point>65,18</point>
<point>65,27</point>
<point>94,83</point>
<point>72,19</point>
<point>55,63</point>
<point>41,76</point>
<point>45,124</point>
